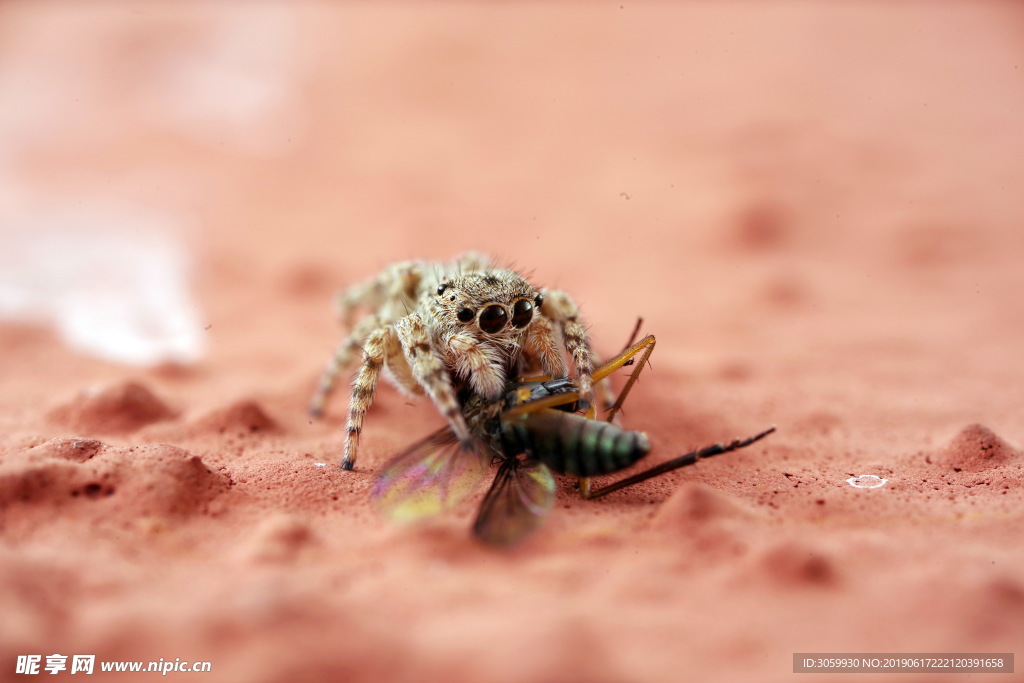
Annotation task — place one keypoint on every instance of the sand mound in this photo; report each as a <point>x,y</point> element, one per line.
<point>112,409</point>
<point>278,539</point>
<point>790,563</point>
<point>694,503</point>
<point>975,448</point>
<point>241,416</point>
<point>153,480</point>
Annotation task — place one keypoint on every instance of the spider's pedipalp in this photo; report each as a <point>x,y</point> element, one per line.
<point>482,366</point>
<point>542,343</point>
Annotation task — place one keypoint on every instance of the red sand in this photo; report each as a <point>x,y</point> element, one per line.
<point>815,207</point>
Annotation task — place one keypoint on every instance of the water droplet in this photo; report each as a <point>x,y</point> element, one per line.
<point>867,481</point>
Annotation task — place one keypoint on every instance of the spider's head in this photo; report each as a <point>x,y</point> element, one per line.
<point>491,304</point>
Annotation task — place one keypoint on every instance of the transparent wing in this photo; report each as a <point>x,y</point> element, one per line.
<point>430,476</point>
<point>517,502</point>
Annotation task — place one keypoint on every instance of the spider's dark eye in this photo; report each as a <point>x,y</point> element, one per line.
<point>538,300</point>
<point>465,315</point>
<point>493,318</point>
<point>441,288</point>
<point>522,314</point>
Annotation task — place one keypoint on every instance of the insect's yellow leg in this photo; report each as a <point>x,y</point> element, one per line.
<point>647,346</point>
<point>584,484</point>
<point>624,357</point>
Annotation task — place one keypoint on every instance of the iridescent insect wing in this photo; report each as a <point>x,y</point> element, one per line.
<point>430,476</point>
<point>517,502</point>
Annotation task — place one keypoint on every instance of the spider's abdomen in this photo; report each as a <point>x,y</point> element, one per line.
<point>571,444</point>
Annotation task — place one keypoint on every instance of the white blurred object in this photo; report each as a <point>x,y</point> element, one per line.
<point>114,281</point>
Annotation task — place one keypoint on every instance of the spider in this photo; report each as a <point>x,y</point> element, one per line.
<point>452,331</point>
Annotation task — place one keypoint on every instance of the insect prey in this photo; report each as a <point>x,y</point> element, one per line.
<point>531,433</point>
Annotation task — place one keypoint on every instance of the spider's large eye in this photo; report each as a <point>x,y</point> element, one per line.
<point>465,315</point>
<point>493,318</point>
<point>522,314</point>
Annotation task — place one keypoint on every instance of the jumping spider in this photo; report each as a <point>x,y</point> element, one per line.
<point>452,331</point>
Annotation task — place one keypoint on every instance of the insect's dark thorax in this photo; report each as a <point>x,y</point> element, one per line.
<point>524,392</point>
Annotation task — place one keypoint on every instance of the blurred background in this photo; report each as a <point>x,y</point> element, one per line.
<point>832,155</point>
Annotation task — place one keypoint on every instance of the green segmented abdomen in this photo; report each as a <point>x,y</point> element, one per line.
<point>573,445</point>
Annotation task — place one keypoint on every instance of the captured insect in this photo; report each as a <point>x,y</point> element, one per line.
<point>530,433</point>
<point>452,331</point>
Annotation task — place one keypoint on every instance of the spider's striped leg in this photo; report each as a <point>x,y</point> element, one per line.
<point>341,359</point>
<point>375,352</point>
<point>430,372</point>
<point>562,310</point>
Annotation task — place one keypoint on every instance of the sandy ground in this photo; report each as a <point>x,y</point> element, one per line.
<point>815,207</point>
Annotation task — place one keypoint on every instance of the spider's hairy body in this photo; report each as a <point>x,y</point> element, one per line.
<point>452,331</point>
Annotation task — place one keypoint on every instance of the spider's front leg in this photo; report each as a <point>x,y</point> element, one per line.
<point>431,373</point>
<point>378,346</point>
